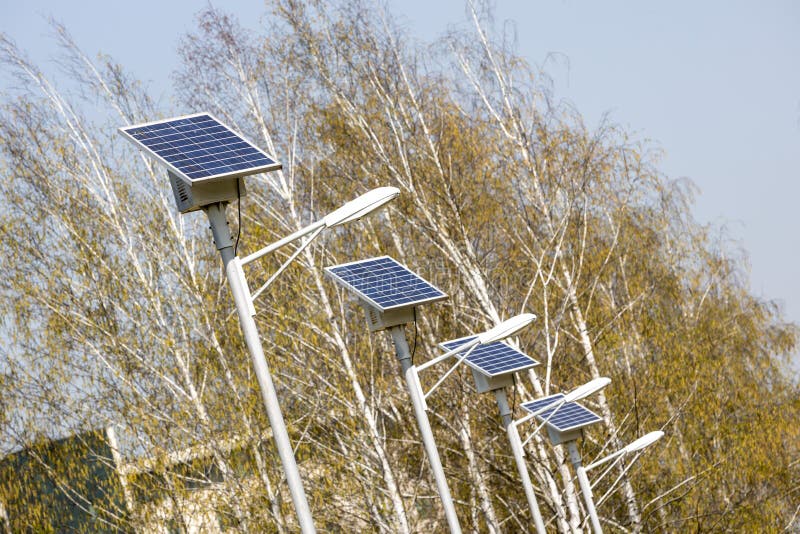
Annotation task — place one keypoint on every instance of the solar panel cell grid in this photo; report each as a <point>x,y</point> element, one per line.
<point>568,416</point>
<point>532,406</point>
<point>201,148</point>
<point>385,283</point>
<point>495,358</point>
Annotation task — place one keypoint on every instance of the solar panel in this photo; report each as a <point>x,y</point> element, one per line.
<point>199,148</point>
<point>568,416</point>
<point>384,283</point>
<point>493,359</point>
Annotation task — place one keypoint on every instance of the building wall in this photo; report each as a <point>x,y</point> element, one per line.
<point>66,485</point>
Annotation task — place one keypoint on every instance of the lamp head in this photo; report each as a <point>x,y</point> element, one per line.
<point>644,441</point>
<point>360,206</point>
<point>507,328</point>
<point>587,389</point>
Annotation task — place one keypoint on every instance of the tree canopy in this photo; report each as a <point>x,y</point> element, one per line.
<point>116,311</point>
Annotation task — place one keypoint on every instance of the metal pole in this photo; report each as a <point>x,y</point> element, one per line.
<point>586,487</point>
<point>412,382</point>
<point>241,296</point>
<point>519,458</point>
<point>502,404</point>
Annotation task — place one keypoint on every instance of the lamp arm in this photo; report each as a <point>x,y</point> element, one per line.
<point>453,368</point>
<point>523,419</point>
<point>616,481</point>
<point>319,225</point>
<point>608,469</point>
<point>297,252</point>
<point>606,459</point>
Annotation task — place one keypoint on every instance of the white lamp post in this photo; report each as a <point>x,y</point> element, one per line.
<point>206,163</point>
<point>501,331</point>
<point>389,292</point>
<point>244,306</point>
<point>518,446</point>
<point>493,369</point>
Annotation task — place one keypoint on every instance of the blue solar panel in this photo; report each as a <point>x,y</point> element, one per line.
<point>493,359</point>
<point>200,148</point>
<point>568,416</point>
<point>384,283</point>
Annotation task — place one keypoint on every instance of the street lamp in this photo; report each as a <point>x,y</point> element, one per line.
<point>462,352</point>
<point>207,163</point>
<point>246,310</point>
<point>389,293</point>
<point>567,432</point>
<point>493,368</point>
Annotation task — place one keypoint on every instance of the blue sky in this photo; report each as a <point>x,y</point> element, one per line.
<point>715,84</point>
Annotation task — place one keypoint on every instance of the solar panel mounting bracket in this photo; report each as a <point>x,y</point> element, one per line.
<point>484,383</point>
<point>557,437</point>
<point>192,197</point>
<point>383,320</point>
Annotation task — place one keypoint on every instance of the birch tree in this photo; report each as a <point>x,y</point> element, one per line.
<point>117,310</point>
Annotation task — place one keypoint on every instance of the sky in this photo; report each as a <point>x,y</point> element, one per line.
<point>714,84</point>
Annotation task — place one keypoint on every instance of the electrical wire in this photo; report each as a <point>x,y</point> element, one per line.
<point>414,350</point>
<point>513,395</point>
<point>239,224</point>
